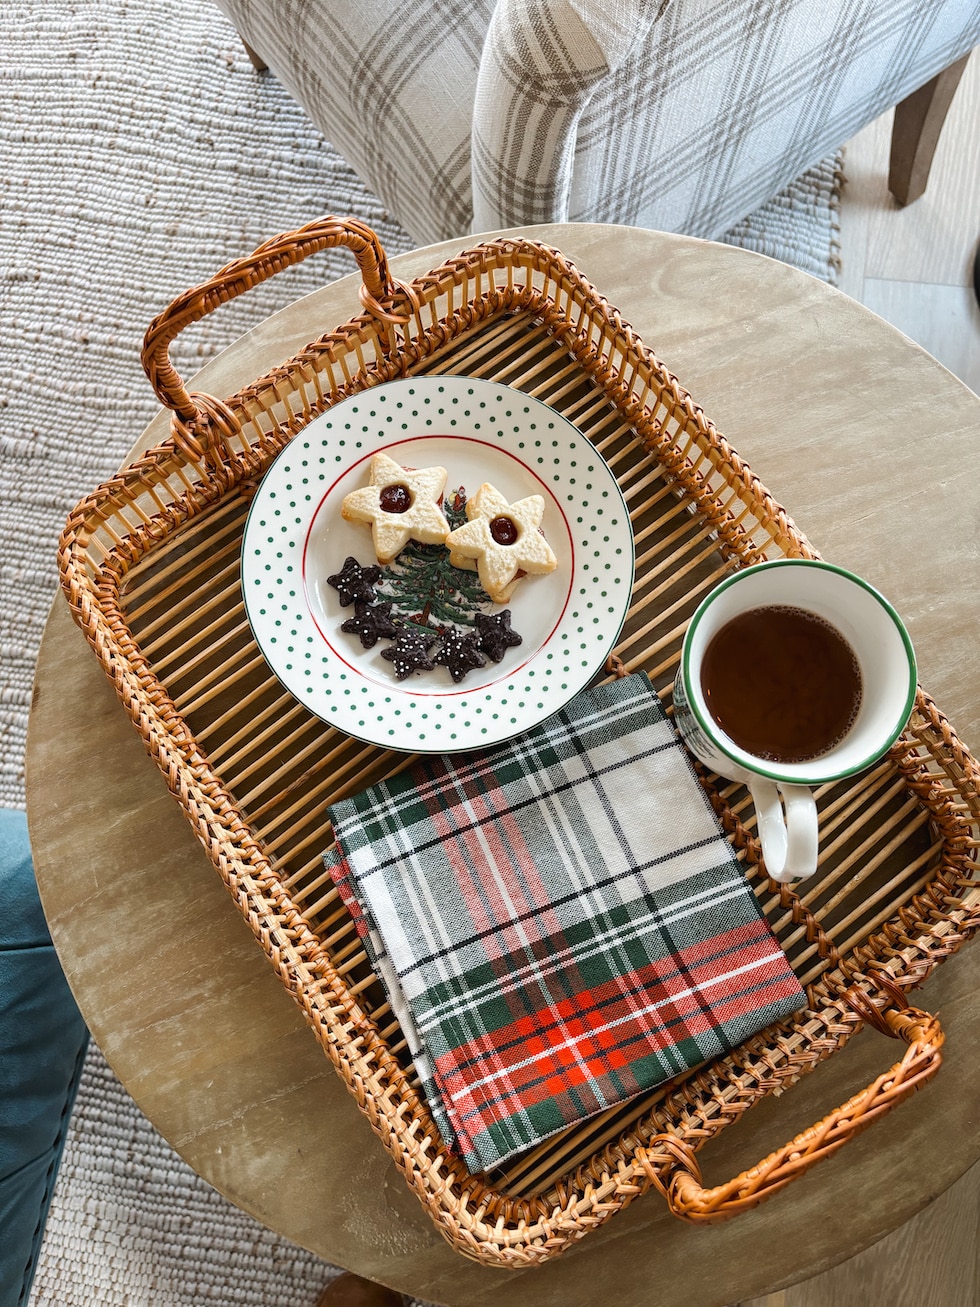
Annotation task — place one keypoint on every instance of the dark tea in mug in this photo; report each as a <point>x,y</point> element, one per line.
<point>782,683</point>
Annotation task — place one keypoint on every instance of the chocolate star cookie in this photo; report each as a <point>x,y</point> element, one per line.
<point>460,652</point>
<point>410,653</point>
<point>495,634</point>
<point>355,583</point>
<point>369,623</point>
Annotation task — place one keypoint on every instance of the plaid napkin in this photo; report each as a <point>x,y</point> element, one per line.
<point>559,922</point>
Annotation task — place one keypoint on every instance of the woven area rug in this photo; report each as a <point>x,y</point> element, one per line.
<point>141,152</point>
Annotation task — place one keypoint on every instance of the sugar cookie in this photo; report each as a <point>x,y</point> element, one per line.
<point>503,541</point>
<point>399,504</point>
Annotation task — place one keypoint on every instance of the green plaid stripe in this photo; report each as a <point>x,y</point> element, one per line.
<point>559,922</point>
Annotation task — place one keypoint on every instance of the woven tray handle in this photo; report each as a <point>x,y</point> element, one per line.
<point>378,292</point>
<point>671,1165</point>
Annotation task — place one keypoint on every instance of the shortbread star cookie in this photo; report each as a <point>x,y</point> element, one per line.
<point>503,541</point>
<point>399,505</point>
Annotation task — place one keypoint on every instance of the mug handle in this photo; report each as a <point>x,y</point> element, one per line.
<point>787,817</point>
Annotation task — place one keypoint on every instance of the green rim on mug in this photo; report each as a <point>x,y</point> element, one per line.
<point>747,760</point>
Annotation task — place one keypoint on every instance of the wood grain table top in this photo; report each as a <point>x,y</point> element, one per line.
<point>873,449</point>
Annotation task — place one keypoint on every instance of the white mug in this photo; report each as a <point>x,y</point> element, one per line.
<point>785,806</point>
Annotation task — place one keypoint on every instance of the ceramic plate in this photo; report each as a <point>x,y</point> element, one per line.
<point>568,620</point>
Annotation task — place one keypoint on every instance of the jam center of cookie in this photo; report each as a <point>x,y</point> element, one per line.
<point>503,530</point>
<point>396,499</point>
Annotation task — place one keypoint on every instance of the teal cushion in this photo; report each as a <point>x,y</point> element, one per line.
<point>42,1047</point>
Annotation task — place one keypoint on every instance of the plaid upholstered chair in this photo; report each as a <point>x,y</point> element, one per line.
<point>681,115</point>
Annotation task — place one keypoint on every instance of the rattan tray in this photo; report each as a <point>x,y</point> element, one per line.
<point>150,566</point>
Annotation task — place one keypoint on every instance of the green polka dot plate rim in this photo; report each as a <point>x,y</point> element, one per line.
<point>480,431</point>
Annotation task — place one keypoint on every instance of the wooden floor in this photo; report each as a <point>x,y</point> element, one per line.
<point>914,267</point>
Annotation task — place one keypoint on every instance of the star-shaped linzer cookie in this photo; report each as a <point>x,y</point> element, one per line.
<point>410,653</point>
<point>495,634</point>
<point>399,504</point>
<point>354,583</point>
<point>459,651</point>
<point>503,541</point>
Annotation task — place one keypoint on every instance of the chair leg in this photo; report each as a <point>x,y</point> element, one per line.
<point>350,1290</point>
<point>258,63</point>
<point>915,133</point>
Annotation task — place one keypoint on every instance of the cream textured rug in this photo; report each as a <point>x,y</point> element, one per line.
<point>139,152</point>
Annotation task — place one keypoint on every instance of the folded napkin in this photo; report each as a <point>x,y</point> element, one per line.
<point>559,921</point>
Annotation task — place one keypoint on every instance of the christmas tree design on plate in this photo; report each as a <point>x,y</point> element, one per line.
<point>425,589</point>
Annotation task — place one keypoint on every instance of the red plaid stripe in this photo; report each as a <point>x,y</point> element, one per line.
<point>582,1039</point>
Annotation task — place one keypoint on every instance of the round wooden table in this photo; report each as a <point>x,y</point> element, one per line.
<point>872,447</point>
